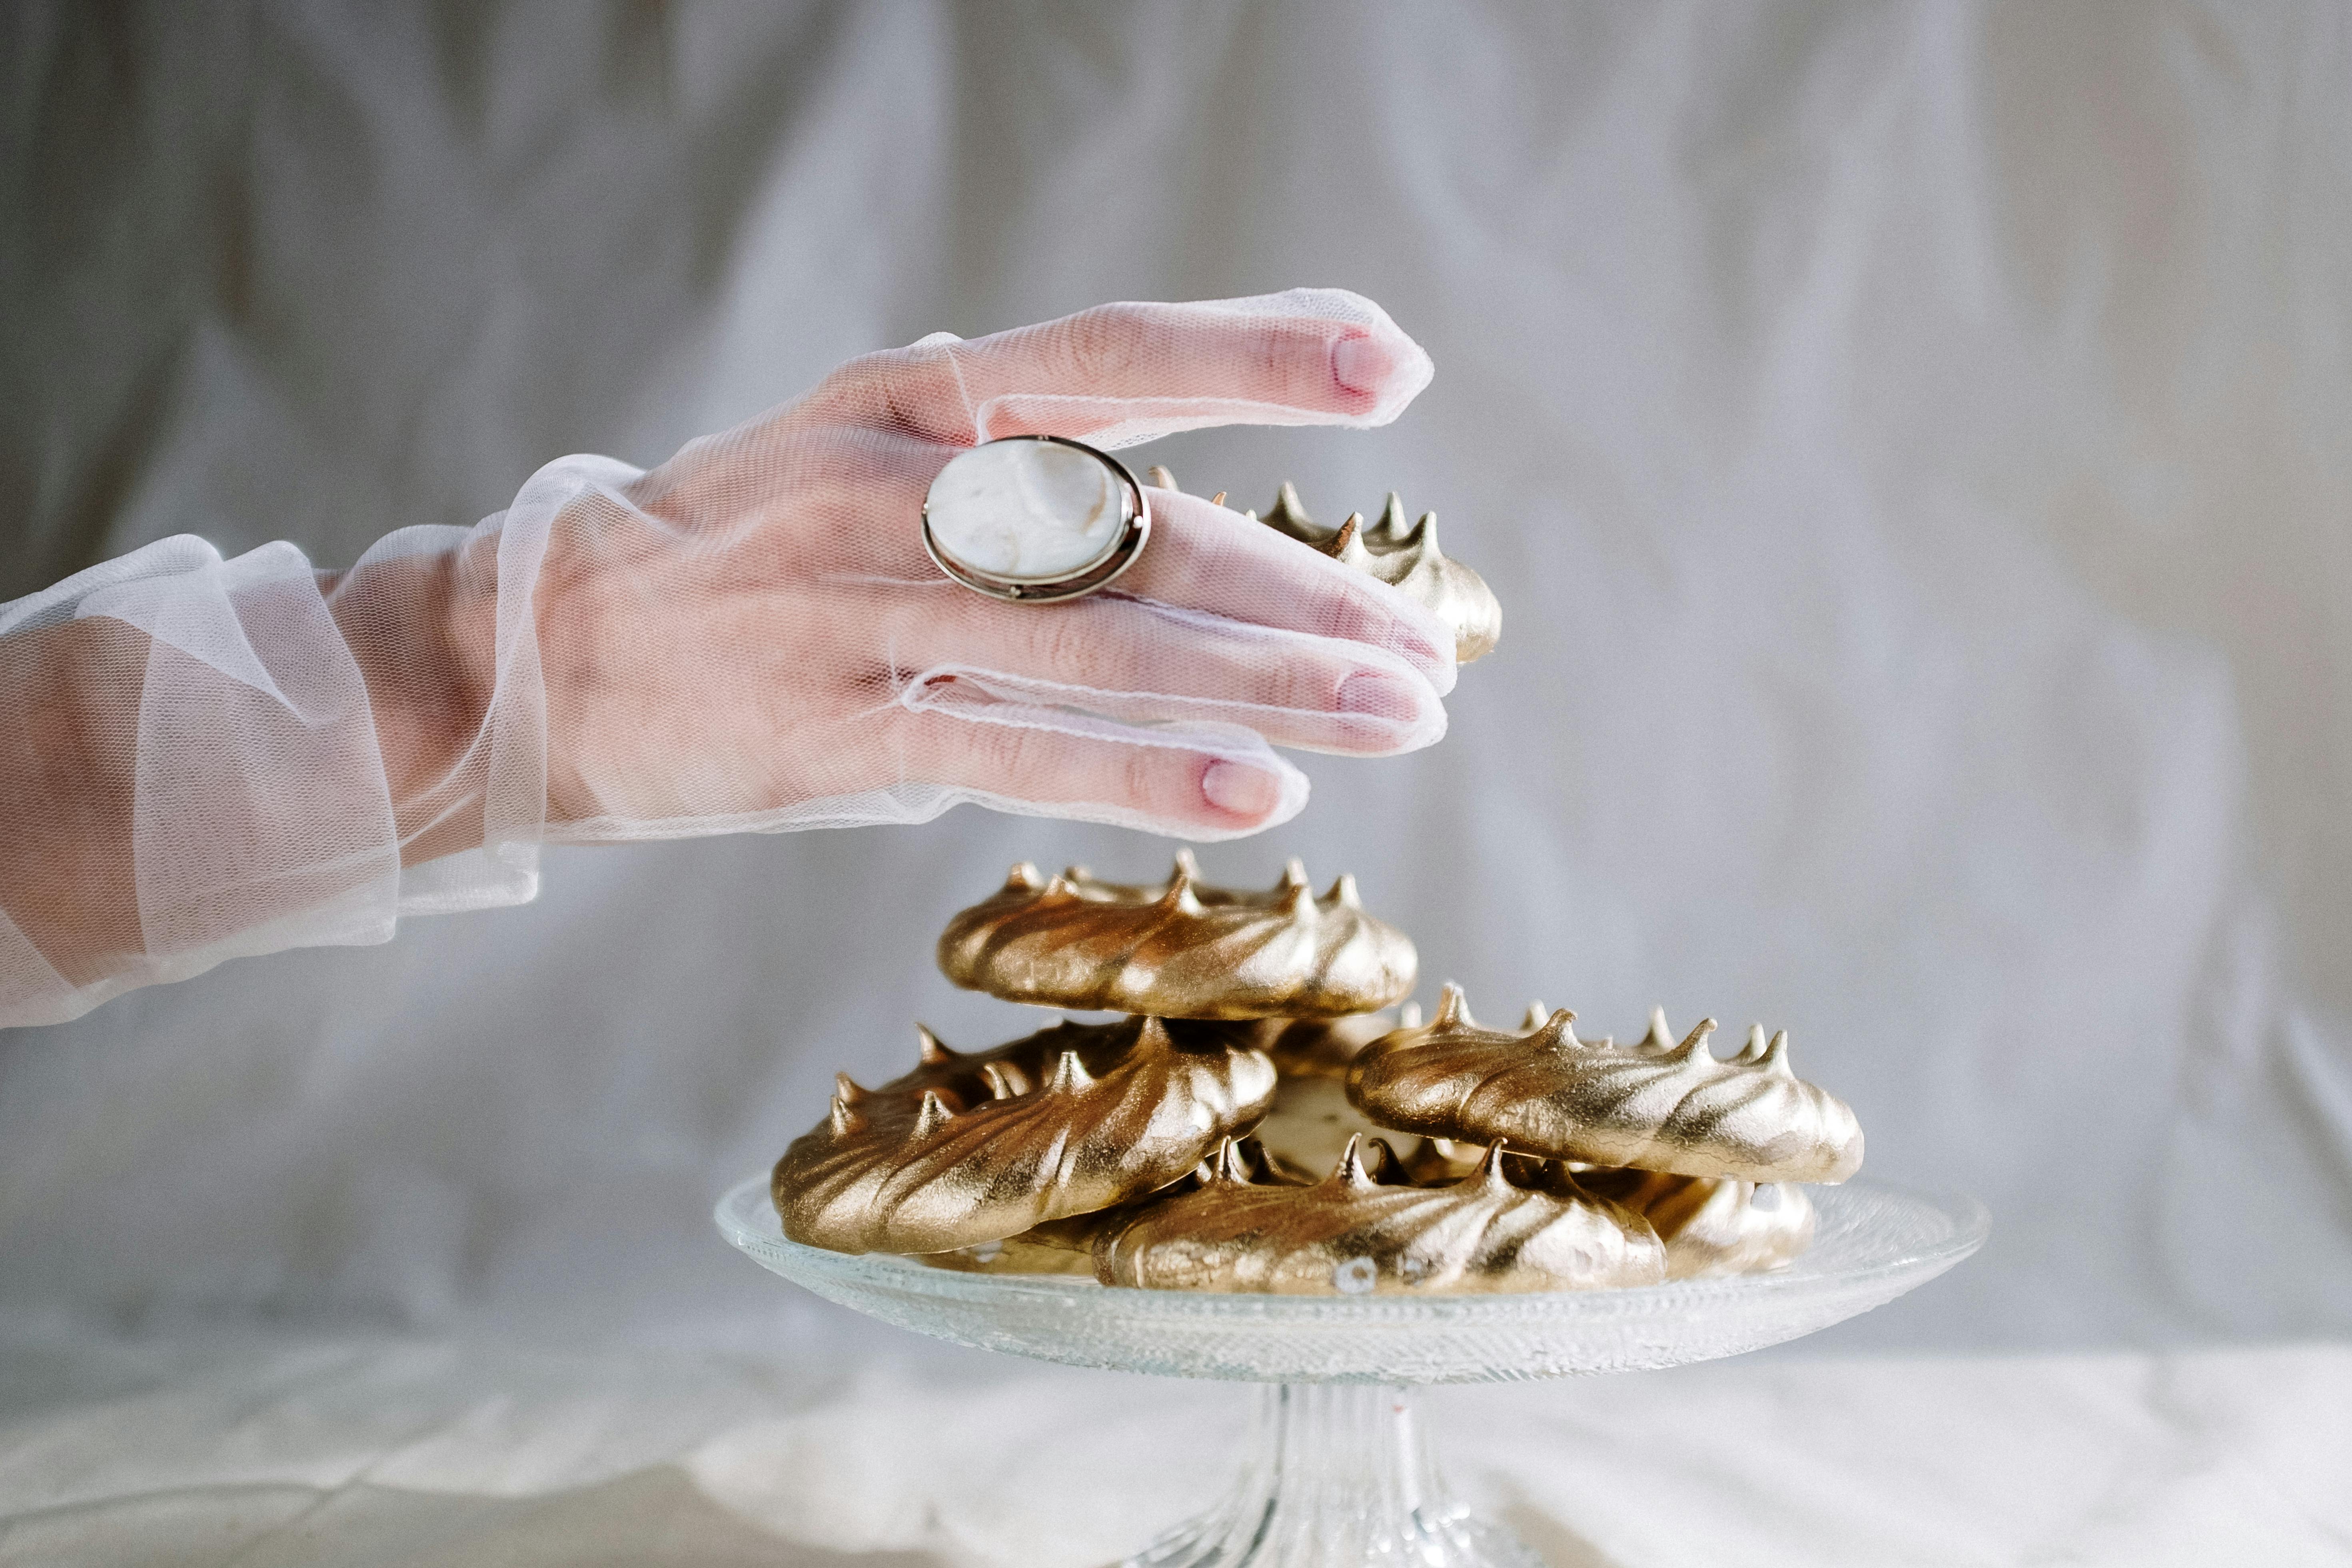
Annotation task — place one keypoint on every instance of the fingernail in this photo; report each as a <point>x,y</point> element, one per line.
<point>1361,364</point>
<point>1243,790</point>
<point>1378,694</point>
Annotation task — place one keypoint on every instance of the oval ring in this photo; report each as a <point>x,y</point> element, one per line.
<point>1134,530</point>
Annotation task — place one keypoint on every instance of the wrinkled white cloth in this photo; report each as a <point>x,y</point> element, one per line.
<point>369,1453</point>
<point>749,639</point>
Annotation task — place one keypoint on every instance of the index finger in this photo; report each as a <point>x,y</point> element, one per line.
<point>1121,373</point>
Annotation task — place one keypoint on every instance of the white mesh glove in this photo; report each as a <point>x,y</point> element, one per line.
<point>240,756</point>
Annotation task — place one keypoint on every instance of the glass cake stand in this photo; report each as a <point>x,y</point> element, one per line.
<point>1339,1472</point>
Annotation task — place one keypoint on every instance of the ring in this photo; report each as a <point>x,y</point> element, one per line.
<point>1034,519</point>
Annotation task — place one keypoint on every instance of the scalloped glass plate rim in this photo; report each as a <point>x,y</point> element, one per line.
<point>747,1217</point>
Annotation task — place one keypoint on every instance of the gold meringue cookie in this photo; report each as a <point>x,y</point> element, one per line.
<point>1713,1224</point>
<point>1405,556</point>
<point>966,1150</point>
<point>1654,1105</point>
<point>1356,1233</point>
<point>1180,949</point>
<point>1067,1245</point>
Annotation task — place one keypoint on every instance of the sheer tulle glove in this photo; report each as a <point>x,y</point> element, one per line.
<point>749,638</point>
<point>752,636</point>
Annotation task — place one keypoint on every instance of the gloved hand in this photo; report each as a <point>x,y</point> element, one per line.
<point>750,637</point>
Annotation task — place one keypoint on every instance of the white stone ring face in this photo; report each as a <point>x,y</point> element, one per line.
<point>1034,519</point>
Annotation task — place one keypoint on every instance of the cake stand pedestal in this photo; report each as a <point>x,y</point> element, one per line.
<point>1340,1474</point>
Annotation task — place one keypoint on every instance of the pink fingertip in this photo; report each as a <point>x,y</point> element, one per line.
<point>1240,789</point>
<point>1363,364</point>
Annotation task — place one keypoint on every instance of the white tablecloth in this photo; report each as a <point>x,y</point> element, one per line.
<point>353,1452</point>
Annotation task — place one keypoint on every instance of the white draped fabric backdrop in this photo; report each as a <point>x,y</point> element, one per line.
<point>1913,446</point>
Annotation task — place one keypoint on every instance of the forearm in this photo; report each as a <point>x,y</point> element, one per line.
<point>69,744</point>
<point>191,769</point>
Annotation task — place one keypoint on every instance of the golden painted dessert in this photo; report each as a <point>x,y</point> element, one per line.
<point>1713,1224</point>
<point>1067,1245</point>
<point>1183,1147</point>
<point>1652,1105</point>
<point>1179,950</point>
<point>1366,1229</point>
<point>973,1149</point>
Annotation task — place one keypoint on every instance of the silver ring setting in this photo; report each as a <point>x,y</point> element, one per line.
<point>1128,532</point>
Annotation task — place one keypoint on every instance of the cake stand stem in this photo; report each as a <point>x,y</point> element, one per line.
<point>1339,1476</point>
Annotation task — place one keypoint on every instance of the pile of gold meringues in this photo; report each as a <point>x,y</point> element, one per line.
<point>1258,1124</point>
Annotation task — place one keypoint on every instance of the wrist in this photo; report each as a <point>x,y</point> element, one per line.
<point>424,632</point>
